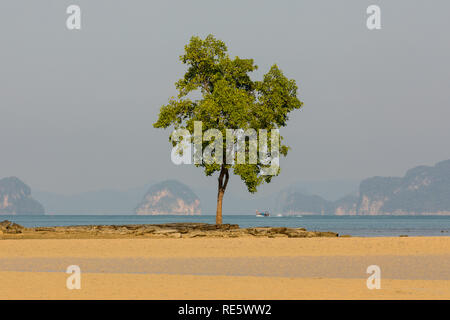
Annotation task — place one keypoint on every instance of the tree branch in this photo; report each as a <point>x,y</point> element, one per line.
<point>221,178</point>
<point>227,177</point>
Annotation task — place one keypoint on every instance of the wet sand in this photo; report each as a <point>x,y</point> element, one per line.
<point>219,268</point>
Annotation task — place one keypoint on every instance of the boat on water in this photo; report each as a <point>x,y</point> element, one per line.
<point>262,214</point>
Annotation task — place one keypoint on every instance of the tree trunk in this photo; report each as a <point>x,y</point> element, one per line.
<point>219,206</point>
<point>220,192</point>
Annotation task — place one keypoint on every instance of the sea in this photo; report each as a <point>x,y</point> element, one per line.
<point>360,226</point>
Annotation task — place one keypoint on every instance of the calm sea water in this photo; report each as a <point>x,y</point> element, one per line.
<point>352,225</point>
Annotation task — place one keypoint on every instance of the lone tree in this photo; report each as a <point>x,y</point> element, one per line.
<point>219,92</point>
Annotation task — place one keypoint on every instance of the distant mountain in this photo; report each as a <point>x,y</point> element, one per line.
<point>236,201</point>
<point>328,189</point>
<point>169,197</point>
<point>15,198</point>
<point>93,202</point>
<point>346,205</point>
<point>423,190</point>
<point>299,203</point>
<point>315,197</point>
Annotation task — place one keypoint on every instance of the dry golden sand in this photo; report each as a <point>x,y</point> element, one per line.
<point>96,285</point>
<point>43,285</point>
<point>224,247</point>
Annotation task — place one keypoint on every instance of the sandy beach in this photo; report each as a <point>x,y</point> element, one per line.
<point>226,268</point>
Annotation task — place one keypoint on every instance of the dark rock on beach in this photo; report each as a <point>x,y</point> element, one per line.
<point>10,227</point>
<point>170,230</point>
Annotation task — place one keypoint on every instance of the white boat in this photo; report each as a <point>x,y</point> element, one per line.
<point>262,214</point>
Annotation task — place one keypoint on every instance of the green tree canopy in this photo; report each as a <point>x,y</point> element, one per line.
<point>219,92</point>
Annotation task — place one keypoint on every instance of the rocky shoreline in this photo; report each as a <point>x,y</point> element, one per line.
<point>10,230</point>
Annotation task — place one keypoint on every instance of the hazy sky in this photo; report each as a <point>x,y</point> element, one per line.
<point>77,107</point>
